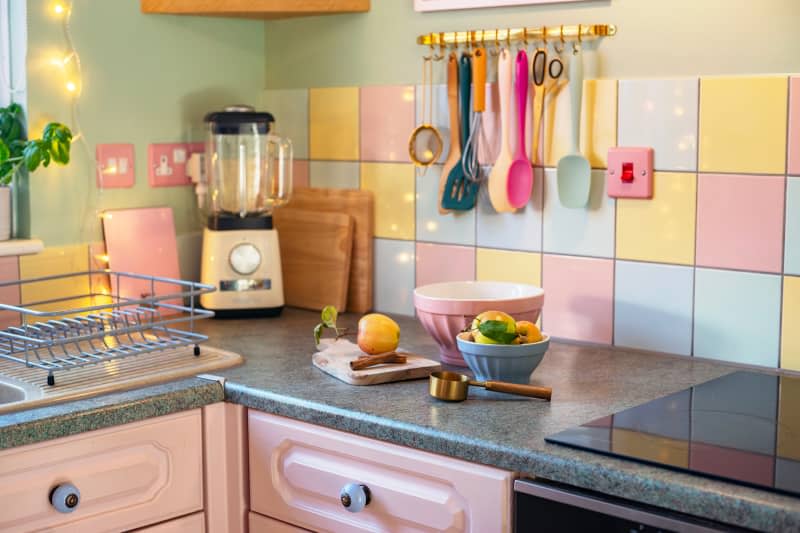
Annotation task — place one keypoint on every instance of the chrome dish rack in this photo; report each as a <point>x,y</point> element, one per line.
<point>86,324</point>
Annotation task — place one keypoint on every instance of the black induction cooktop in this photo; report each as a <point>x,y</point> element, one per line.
<point>743,427</point>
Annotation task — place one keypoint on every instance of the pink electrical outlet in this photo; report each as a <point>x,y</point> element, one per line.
<point>166,163</point>
<point>116,165</point>
<point>630,172</point>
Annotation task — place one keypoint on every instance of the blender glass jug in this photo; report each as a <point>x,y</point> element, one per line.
<point>249,170</point>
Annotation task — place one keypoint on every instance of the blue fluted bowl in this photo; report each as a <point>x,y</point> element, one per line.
<point>503,362</point>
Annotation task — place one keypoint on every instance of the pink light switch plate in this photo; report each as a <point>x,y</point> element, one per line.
<point>142,241</point>
<point>630,172</point>
<point>116,165</point>
<point>166,163</point>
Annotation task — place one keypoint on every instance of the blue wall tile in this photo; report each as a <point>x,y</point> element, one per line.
<point>653,307</point>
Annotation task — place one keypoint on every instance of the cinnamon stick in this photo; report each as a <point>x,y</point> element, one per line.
<point>372,360</point>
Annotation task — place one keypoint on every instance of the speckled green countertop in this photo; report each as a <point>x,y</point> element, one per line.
<point>587,383</point>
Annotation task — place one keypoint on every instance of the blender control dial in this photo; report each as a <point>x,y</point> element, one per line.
<point>245,258</point>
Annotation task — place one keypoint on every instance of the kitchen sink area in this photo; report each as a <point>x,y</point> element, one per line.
<point>16,395</point>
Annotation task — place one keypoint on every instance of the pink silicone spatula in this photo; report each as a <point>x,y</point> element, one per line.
<point>520,173</point>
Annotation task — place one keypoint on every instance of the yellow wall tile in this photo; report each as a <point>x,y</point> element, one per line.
<point>393,186</point>
<point>505,265</point>
<point>333,123</point>
<point>53,261</point>
<point>790,341</point>
<point>597,135</point>
<point>661,229</point>
<point>743,124</point>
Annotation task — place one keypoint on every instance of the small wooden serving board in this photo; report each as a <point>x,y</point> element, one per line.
<point>334,359</point>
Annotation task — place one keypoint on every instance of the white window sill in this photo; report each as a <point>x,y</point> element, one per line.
<point>21,247</point>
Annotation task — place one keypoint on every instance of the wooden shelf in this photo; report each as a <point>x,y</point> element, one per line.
<point>255,9</point>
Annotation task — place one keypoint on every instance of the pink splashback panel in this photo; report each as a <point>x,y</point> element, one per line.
<point>141,241</point>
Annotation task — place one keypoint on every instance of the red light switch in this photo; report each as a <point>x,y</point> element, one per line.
<point>627,171</point>
<point>630,172</point>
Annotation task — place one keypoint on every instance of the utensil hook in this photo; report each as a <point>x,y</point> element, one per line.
<point>496,51</point>
<point>558,50</point>
<point>576,45</point>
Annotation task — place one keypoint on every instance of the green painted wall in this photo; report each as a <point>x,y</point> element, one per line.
<point>657,38</point>
<point>146,78</point>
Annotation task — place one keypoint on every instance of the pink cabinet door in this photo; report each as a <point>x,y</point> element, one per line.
<point>128,476</point>
<point>194,523</point>
<point>263,524</point>
<point>297,471</point>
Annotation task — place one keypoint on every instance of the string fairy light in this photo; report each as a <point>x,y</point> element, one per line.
<point>70,65</point>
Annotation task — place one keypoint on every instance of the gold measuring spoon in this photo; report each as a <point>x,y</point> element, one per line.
<point>453,387</point>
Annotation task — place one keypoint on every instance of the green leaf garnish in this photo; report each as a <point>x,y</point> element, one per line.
<point>329,316</point>
<point>318,333</point>
<point>497,330</point>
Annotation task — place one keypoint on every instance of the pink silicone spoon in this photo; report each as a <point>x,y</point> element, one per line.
<point>520,173</point>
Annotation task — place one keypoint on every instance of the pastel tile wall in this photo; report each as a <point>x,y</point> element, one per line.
<point>709,267</point>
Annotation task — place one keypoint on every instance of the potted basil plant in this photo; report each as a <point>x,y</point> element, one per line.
<point>19,154</point>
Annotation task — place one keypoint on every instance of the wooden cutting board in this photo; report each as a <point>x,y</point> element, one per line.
<point>315,257</point>
<point>361,206</point>
<point>334,359</point>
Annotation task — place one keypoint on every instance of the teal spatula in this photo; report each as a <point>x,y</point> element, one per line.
<point>574,175</point>
<point>460,192</point>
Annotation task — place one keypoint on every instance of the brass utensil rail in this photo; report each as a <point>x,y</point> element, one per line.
<point>111,327</point>
<point>574,32</point>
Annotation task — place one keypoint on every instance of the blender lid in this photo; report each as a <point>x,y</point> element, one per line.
<point>228,120</point>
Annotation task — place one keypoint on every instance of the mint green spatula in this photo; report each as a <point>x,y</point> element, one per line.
<point>574,175</point>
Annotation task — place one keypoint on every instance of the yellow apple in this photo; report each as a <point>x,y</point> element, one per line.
<point>499,316</point>
<point>529,330</point>
<point>378,333</point>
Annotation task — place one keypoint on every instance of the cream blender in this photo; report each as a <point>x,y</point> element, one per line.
<point>249,172</point>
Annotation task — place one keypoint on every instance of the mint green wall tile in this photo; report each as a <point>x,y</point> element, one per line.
<point>792,251</point>
<point>737,316</point>
<point>334,174</point>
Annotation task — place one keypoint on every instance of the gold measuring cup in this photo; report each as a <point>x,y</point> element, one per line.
<point>453,387</point>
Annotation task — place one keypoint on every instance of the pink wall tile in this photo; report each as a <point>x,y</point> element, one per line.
<point>9,271</point>
<point>794,126</point>
<point>740,221</point>
<point>300,173</point>
<point>579,294</point>
<point>387,119</point>
<point>439,262</point>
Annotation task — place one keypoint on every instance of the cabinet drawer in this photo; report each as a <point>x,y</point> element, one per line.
<point>194,523</point>
<point>263,524</point>
<point>128,476</point>
<point>297,471</point>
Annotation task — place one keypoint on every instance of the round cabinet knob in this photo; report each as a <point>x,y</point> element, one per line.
<point>354,497</point>
<point>65,497</point>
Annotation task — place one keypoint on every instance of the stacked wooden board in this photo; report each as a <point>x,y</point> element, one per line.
<point>315,250</point>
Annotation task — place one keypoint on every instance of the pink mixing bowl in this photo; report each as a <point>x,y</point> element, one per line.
<point>444,309</point>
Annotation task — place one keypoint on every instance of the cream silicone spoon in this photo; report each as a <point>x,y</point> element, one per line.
<point>498,178</point>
